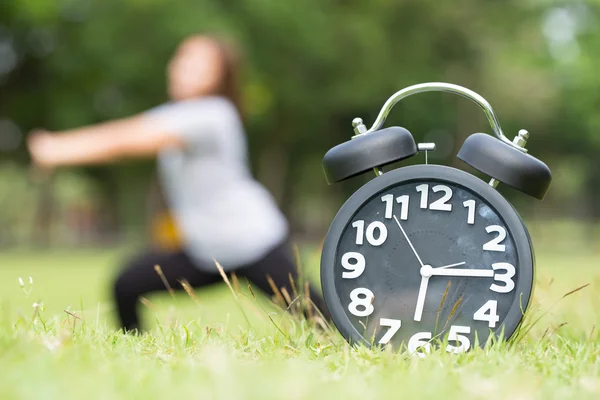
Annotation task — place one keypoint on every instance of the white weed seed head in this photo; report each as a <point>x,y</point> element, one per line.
<point>35,305</point>
<point>30,280</point>
<point>21,283</point>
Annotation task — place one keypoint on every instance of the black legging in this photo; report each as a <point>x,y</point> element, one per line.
<point>140,278</point>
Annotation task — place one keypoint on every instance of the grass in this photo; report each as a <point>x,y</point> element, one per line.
<point>206,348</point>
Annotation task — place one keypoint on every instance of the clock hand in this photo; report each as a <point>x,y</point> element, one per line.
<point>451,265</point>
<point>427,271</point>
<point>475,273</point>
<point>421,298</point>
<point>409,242</point>
<point>424,278</point>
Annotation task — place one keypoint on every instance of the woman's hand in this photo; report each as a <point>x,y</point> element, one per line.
<point>43,148</point>
<point>97,144</point>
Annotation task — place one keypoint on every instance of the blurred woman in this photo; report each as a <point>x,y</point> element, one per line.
<point>223,214</point>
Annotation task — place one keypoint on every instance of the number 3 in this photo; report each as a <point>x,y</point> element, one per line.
<point>506,278</point>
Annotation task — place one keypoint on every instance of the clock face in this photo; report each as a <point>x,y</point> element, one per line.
<point>425,254</point>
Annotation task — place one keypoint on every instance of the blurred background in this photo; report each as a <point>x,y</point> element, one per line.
<point>310,68</point>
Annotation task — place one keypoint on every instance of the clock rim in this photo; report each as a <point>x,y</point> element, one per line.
<point>506,211</point>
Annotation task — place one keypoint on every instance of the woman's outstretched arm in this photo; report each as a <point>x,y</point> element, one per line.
<point>130,137</point>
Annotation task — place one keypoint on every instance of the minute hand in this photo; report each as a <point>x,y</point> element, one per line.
<point>475,273</point>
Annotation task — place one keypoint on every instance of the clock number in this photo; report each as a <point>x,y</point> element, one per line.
<point>394,325</point>
<point>388,199</point>
<point>356,267</point>
<point>463,341</point>
<point>370,232</point>
<point>380,226</point>
<point>363,298</point>
<point>488,312</point>
<point>424,190</point>
<point>441,205</point>
<point>470,205</point>
<point>506,278</point>
<point>403,201</point>
<point>420,341</point>
<point>438,205</point>
<point>360,231</point>
<point>494,244</point>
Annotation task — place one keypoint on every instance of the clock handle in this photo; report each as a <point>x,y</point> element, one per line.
<point>360,129</point>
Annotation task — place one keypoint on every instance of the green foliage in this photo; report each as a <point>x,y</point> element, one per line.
<point>314,65</point>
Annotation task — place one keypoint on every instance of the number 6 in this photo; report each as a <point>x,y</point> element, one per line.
<point>419,340</point>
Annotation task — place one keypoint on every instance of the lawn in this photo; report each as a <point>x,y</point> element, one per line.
<point>216,347</point>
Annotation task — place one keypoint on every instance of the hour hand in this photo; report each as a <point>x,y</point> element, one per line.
<point>451,265</point>
<point>421,298</point>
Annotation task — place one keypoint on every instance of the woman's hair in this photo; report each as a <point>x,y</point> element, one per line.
<point>229,86</point>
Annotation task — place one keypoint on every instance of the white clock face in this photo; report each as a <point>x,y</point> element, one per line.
<point>424,260</point>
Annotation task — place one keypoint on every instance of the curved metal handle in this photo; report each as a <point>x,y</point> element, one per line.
<point>443,87</point>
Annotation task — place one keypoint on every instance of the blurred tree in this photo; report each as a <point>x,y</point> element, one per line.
<point>311,67</point>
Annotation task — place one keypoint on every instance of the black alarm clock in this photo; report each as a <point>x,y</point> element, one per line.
<point>428,255</point>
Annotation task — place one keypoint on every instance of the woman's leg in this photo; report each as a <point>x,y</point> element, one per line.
<point>279,264</point>
<point>139,278</point>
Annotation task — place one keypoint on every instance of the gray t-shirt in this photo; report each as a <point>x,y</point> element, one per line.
<point>221,211</point>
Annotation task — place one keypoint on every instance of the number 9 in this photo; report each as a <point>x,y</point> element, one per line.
<point>356,268</point>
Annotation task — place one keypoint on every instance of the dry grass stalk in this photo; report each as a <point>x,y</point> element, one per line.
<point>236,282</point>
<point>527,325</point>
<point>190,291</point>
<point>287,296</point>
<point>575,290</point>
<point>299,268</point>
<point>75,318</point>
<point>276,292</point>
<point>224,276</point>
<point>456,305</point>
<point>437,318</point>
<point>307,301</point>
<point>237,300</point>
<point>266,313</point>
<point>293,284</point>
<point>249,301</point>
<point>160,273</point>
<point>148,303</point>
<point>320,318</point>
<point>72,314</point>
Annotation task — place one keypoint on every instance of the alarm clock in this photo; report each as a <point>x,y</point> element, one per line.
<point>429,256</point>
